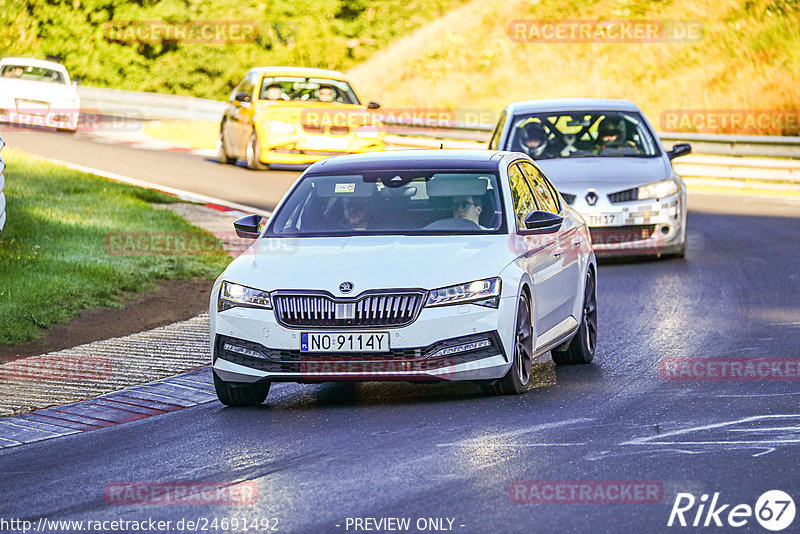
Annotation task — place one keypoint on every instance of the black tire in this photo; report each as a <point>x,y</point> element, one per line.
<point>583,344</point>
<point>254,153</point>
<point>240,394</point>
<point>681,254</point>
<point>518,377</point>
<point>222,154</point>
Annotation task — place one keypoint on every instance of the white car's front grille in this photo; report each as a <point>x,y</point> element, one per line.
<point>382,309</point>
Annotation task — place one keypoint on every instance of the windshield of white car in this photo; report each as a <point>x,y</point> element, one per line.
<point>28,72</point>
<point>418,202</point>
<point>299,89</point>
<point>581,134</point>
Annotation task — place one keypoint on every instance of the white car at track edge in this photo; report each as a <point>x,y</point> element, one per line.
<point>38,93</point>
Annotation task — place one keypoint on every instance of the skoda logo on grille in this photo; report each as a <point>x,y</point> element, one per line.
<point>591,198</point>
<point>346,287</point>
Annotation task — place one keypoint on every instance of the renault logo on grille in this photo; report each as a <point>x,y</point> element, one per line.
<point>591,198</point>
<point>346,287</point>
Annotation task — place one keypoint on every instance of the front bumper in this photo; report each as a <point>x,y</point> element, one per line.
<point>445,343</point>
<point>46,117</point>
<point>308,148</point>
<point>647,227</point>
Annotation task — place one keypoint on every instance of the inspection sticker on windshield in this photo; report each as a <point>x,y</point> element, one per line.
<point>349,342</point>
<point>344,188</point>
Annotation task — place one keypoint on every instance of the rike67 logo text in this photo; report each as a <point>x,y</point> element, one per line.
<point>774,510</point>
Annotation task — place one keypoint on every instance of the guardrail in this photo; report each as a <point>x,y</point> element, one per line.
<point>148,106</point>
<point>154,106</point>
<point>706,162</point>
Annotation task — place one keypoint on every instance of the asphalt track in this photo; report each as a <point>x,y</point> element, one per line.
<point>320,454</point>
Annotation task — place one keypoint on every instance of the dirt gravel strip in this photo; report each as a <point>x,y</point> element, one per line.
<point>103,366</point>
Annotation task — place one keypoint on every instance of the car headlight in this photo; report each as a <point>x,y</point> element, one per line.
<point>480,292</point>
<point>232,295</point>
<point>660,189</point>
<point>280,127</point>
<point>367,132</point>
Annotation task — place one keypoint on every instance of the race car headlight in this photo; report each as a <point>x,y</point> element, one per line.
<point>367,132</point>
<point>232,295</point>
<point>480,292</point>
<point>660,189</point>
<point>280,127</point>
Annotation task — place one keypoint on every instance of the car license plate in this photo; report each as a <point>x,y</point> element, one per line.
<point>320,142</point>
<point>604,219</point>
<point>344,342</point>
<point>26,107</point>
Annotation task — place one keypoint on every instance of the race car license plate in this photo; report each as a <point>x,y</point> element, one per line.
<point>344,342</point>
<point>604,219</point>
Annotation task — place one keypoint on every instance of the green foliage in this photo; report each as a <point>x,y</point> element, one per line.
<point>82,34</point>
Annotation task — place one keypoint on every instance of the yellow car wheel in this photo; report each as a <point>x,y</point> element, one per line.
<point>254,154</point>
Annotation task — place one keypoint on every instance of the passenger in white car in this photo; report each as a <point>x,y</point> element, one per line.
<point>467,208</point>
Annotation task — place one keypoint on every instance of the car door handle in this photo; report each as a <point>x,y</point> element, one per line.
<point>558,251</point>
<point>577,241</point>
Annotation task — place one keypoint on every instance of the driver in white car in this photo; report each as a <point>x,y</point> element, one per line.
<point>468,208</point>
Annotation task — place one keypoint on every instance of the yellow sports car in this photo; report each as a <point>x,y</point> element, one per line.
<point>295,115</point>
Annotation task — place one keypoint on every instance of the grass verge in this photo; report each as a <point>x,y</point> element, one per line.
<point>53,257</point>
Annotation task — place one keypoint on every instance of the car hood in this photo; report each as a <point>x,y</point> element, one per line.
<point>605,175</point>
<point>314,112</point>
<point>33,90</point>
<point>369,262</point>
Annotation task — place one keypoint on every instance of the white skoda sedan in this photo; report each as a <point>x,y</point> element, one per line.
<point>407,265</point>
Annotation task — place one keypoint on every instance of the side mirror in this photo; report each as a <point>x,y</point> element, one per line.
<point>543,222</point>
<point>242,96</point>
<point>681,149</point>
<point>373,105</point>
<point>247,227</point>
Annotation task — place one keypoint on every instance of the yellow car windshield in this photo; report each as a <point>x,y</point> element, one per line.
<point>300,89</point>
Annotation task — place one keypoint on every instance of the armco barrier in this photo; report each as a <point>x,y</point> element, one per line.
<point>139,105</point>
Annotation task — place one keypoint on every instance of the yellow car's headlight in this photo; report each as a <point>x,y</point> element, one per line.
<point>280,127</point>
